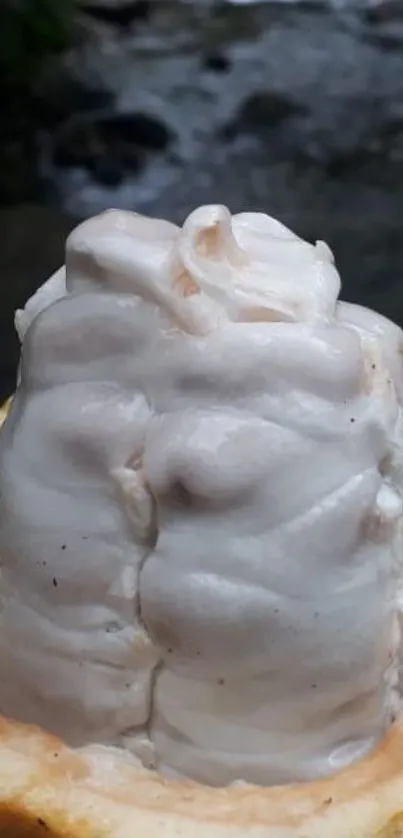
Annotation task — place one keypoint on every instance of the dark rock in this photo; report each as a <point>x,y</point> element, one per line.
<point>107,171</point>
<point>110,146</point>
<point>381,147</point>
<point>385,25</point>
<point>383,12</point>
<point>119,15</point>
<point>217,63</point>
<point>141,129</point>
<point>262,111</point>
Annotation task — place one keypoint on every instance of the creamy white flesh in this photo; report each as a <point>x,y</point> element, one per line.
<point>200,503</point>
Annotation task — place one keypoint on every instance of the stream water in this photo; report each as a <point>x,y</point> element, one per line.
<point>291,108</point>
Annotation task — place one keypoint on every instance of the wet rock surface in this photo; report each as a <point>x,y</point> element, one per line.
<point>296,110</point>
<point>119,14</point>
<point>111,146</point>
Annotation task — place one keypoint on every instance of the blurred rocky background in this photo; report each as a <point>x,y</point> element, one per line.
<point>295,108</point>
